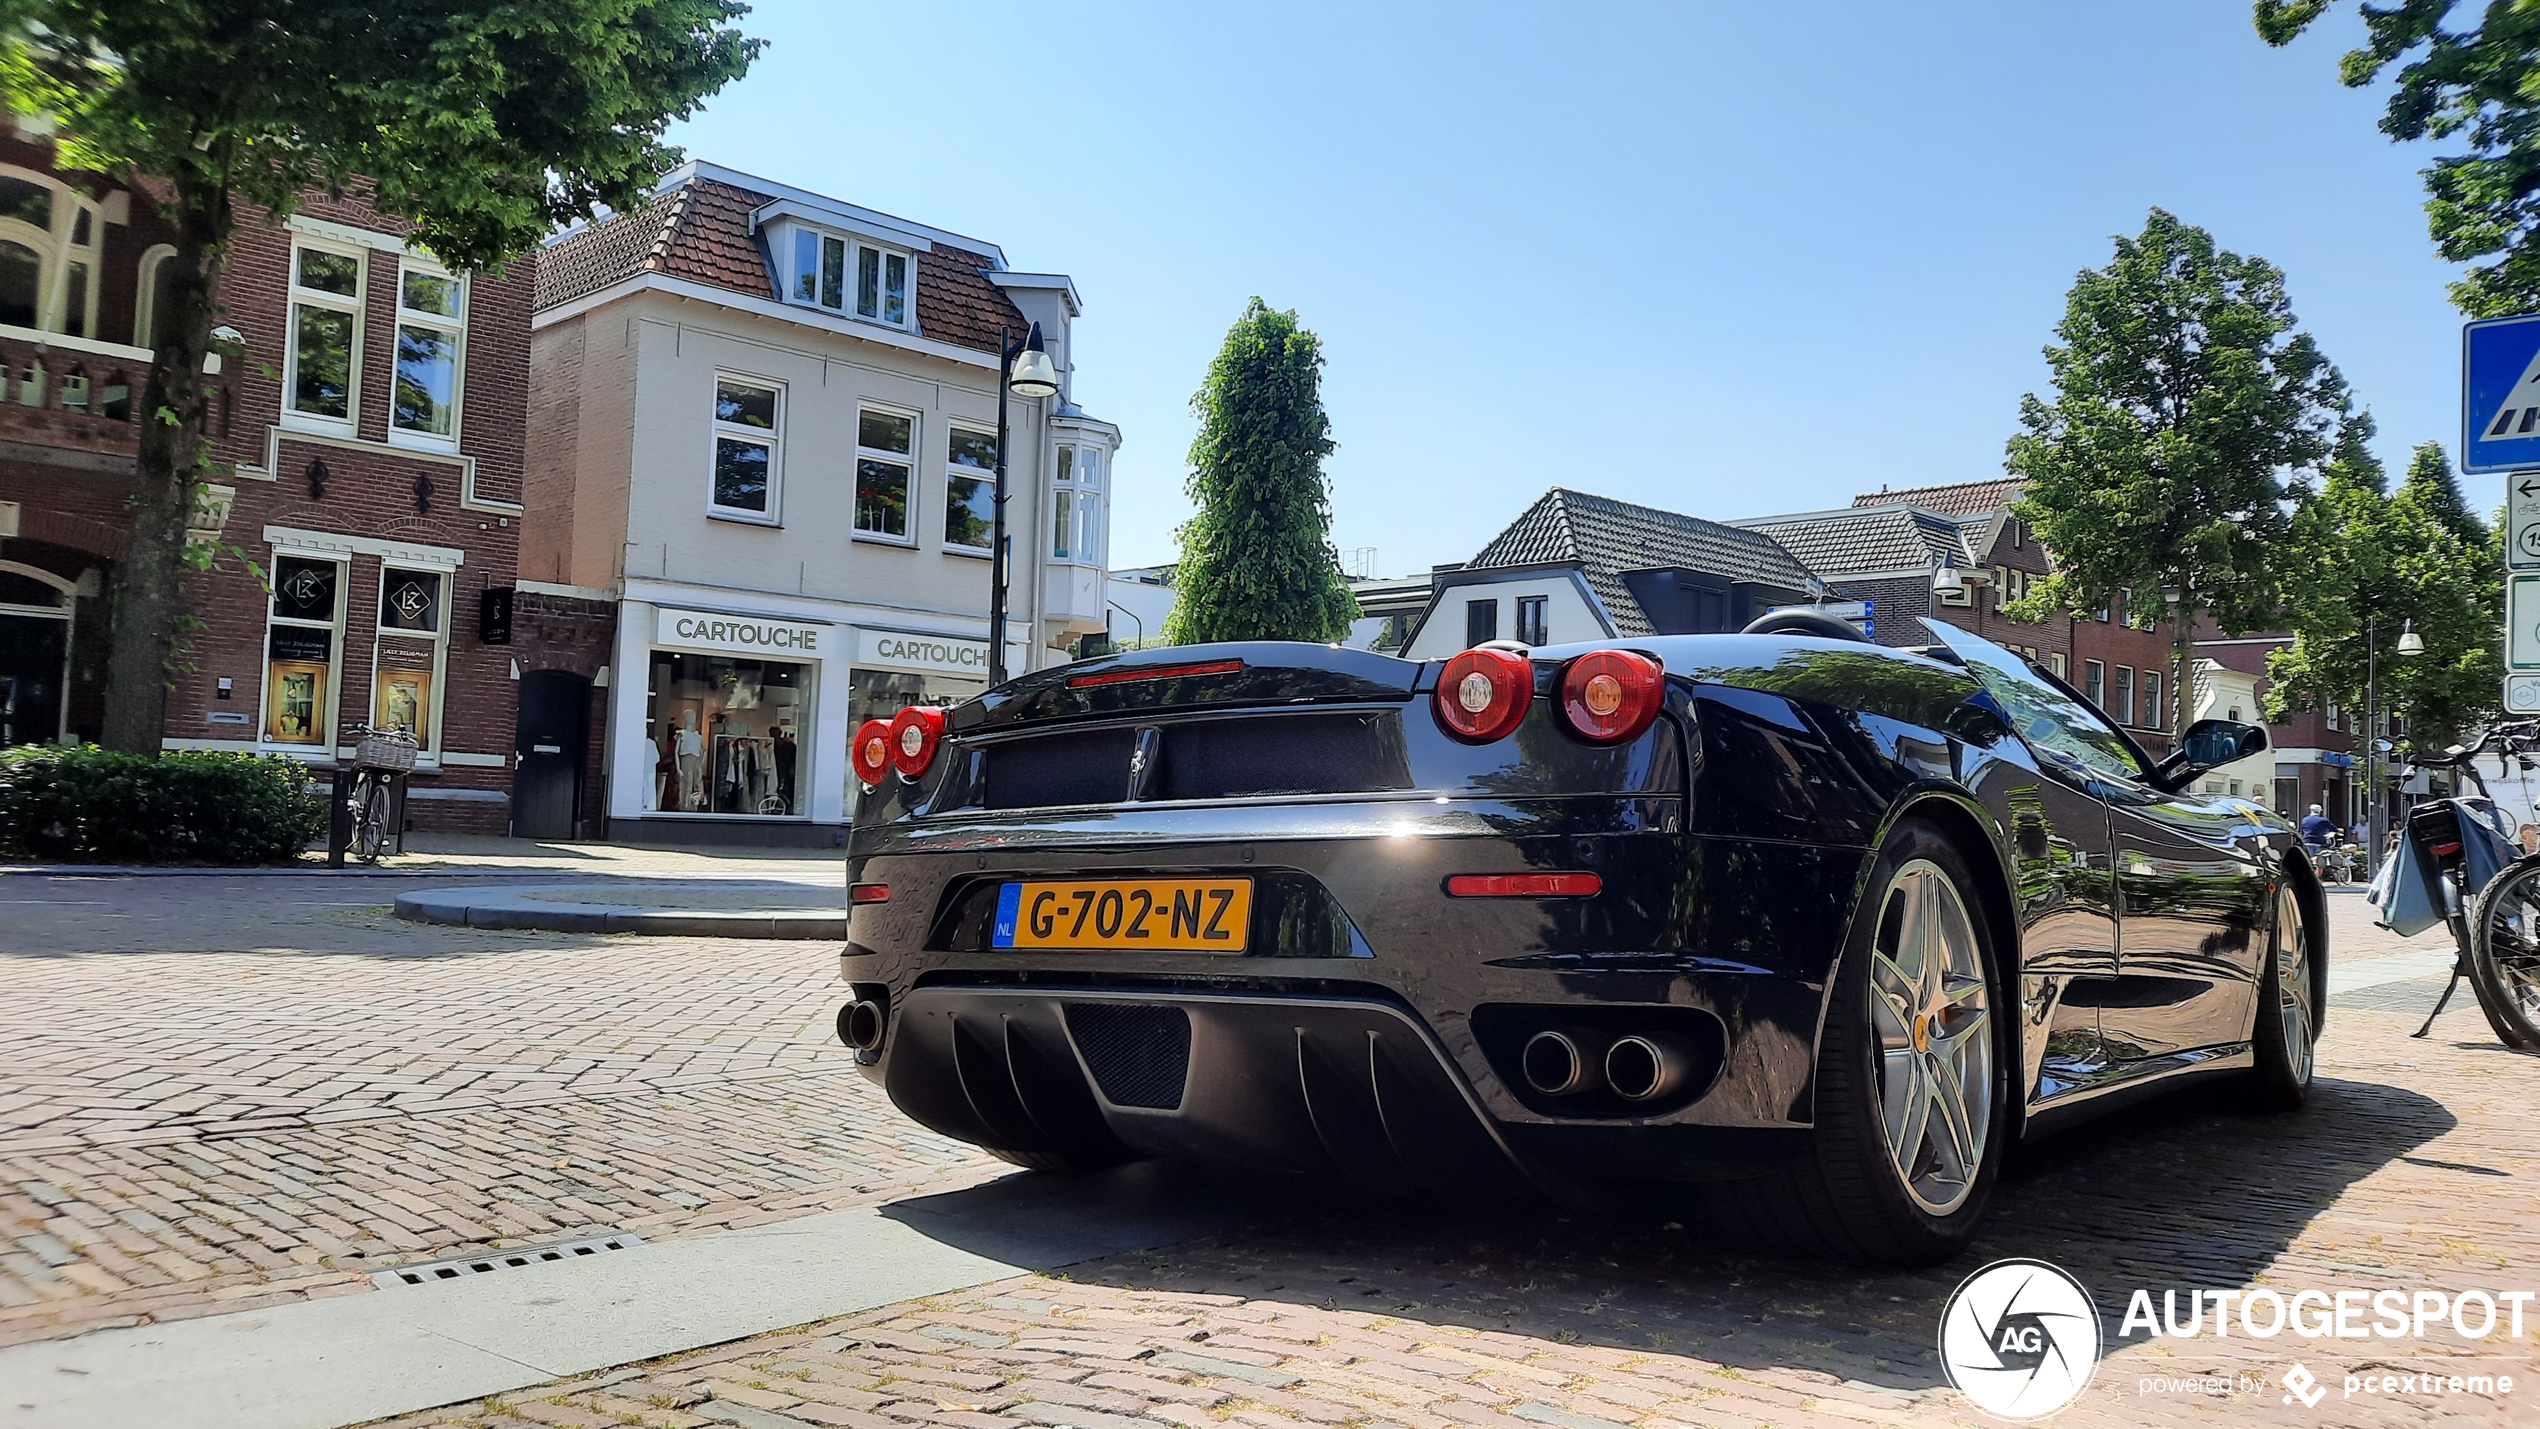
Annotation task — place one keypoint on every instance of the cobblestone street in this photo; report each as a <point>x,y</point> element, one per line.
<point>186,1133</point>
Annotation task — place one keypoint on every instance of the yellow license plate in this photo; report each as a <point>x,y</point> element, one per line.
<point>1169,915</point>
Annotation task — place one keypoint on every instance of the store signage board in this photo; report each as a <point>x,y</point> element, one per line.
<point>906,650</point>
<point>742,634</point>
<point>2500,394</point>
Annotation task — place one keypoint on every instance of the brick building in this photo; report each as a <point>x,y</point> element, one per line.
<point>2312,755</point>
<point>367,430</point>
<point>760,509</point>
<point>1898,549</point>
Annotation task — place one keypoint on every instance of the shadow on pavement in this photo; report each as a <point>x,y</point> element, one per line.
<point>2176,1191</point>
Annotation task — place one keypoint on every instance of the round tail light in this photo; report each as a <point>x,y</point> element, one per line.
<point>1482,694</point>
<point>872,750</point>
<point>915,732</point>
<point>1610,696</point>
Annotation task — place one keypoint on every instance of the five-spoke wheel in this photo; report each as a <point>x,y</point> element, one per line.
<point>1930,1006</point>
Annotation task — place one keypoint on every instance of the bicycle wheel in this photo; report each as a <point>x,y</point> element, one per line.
<point>370,834</point>
<point>2504,954</point>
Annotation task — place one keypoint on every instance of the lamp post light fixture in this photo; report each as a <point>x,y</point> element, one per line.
<point>2410,643</point>
<point>1027,371</point>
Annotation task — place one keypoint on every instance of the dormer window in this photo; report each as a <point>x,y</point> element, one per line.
<point>849,275</point>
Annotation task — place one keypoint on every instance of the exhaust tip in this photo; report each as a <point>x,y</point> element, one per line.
<point>1555,1066</point>
<point>860,1024</point>
<point>1641,1069</point>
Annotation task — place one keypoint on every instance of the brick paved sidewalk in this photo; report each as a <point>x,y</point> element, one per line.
<point>253,1121</point>
<point>2413,1169</point>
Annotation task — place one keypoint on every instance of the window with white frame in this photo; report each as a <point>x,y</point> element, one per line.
<point>2123,708</point>
<point>2094,684</point>
<point>324,342</point>
<point>2155,713</point>
<point>49,237</point>
<point>301,649</point>
<point>1076,505</point>
<point>431,352</point>
<point>413,630</point>
<point>749,416</point>
<point>850,275</point>
<point>154,301</point>
<point>885,447</point>
<point>970,491</point>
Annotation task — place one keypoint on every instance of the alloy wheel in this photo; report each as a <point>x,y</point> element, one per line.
<point>2293,988</point>
<point>1931,1008</point>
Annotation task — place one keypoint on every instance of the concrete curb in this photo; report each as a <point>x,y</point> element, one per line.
<point>511,908</point>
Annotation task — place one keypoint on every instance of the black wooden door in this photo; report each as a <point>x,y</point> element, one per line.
<point>555,713</point>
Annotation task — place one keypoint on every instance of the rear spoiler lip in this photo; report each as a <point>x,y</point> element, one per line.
<point>1267,672</point>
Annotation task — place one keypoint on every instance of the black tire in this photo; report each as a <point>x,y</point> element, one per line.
<point>2284,1028</point>
<point>2504,954</point>
<point>1848,1197</point>
<point>370,829</point>
<point>1054,1160</point>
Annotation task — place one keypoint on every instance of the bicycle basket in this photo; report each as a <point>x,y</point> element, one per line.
<point>393,752</point>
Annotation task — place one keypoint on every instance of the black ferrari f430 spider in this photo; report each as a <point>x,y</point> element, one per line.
<point>1818,927</point>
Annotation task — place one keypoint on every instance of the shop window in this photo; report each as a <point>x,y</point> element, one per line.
<point>431,329</point>
<point>325,334</point>
<point>970,490</point>
<point>749,433</point>
<point>301,650</point>
<point>726,735</point>
<point>1530,619</point>
<point>412,625</point>
<point>885,441</point>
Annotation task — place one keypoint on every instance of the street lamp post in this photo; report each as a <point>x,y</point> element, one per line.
<point>2410,643</point>
<point>1028,372</point>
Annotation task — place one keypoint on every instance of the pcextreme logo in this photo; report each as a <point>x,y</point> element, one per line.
<point>2020,1339</point>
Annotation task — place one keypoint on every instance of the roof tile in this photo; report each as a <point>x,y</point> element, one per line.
<point>1956,498</point>
<point>1608,537</point>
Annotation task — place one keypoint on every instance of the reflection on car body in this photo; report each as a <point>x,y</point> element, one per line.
<point>1796,919</point>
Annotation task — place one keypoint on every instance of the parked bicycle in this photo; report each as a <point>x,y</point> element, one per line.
<point>2455,862</point>
<point>380,757</point>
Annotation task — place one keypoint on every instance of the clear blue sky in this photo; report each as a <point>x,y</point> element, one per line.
<point>1729,259</point>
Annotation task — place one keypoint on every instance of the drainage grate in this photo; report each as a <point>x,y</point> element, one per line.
<point>515,1258</point>
<point>1141,1054</point>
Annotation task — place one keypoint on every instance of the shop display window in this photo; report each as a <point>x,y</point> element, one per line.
<point>300,650</point>
<point>726,734</point>
<point>405,702</point>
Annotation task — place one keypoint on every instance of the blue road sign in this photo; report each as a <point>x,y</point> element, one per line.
<point>2500,394</point>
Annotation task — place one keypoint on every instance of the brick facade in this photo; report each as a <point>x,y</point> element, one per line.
<point>70,472</point>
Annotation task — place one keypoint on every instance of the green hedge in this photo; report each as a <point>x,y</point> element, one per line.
<point>91,805</point>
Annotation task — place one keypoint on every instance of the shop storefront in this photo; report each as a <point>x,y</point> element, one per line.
<point>895,669</point>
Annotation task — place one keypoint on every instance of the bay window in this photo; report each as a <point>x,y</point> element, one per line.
<point>431,330</point>
<point>1076,505</point>
<point>885,444</point>
<point>324,339</point>
<point>49,237</point>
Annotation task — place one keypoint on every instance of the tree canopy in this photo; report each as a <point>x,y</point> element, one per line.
<point>2412,555</point>
<point>484,123</point>
<point>1257,560</point>
<point>2479,85</point>
<point>2189,411</point>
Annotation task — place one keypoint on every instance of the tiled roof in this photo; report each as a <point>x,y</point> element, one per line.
<point>700,231</point>
<point>1859,541</point>
<point>1608,537</point>
<point>1956,498</point>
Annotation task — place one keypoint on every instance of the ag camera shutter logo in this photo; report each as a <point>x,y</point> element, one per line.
<point>2020,1339</point>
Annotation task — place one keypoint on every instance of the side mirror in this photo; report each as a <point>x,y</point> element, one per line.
<point>2209,744</point>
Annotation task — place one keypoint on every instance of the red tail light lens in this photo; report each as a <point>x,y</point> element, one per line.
<point>872,750</point>
<point>1611,695</point>
<point>1482,694</point>
<point>869,892</point>
<point>915,732</point>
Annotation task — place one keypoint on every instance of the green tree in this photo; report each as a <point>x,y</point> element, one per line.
<point>1257,560</point>
<point>2480,85</point>
<point>483,122</point>
<point>2189,411</point>
<point>2416,554</point>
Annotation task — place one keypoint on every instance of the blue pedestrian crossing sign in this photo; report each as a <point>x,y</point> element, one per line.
<point>2500,394</point>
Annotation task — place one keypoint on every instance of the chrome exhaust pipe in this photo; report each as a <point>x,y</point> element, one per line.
<point>860,1024</point>
<point>1643,1069</point>
<point>1557,1066</point>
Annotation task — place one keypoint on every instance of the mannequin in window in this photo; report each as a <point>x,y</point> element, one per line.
<point>689,746</point>
<point>785,764</point>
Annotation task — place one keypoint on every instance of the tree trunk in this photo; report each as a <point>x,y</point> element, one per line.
<point>148,610</point>
<point>2182,664</point>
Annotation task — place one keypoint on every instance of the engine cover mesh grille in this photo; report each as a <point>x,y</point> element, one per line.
<point>1139,1054</point>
